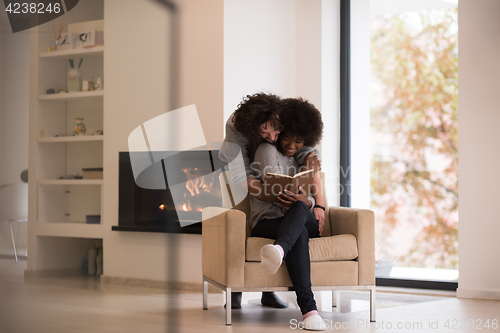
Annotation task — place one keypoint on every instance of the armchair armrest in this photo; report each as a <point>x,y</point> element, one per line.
<point>223,245</point>
<point>361,224</point>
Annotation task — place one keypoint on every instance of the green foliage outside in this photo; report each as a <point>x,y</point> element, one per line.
<point>414,121</point>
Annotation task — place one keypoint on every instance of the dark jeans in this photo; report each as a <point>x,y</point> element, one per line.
<point>292,233</point>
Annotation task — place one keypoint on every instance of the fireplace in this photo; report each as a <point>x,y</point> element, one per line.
<point>172,192</point>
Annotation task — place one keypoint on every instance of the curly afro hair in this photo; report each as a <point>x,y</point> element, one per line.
<point>301,119</point>
<point>256,110</point>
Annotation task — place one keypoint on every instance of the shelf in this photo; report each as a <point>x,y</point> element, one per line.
<point>70,182</point>
<point>83,138</point>
<point>71,96</point>
<point>66,54</point>
<point>69,229</point>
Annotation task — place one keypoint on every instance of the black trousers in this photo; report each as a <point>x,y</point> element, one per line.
<point>292,233</point>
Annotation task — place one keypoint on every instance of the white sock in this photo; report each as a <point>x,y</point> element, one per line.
<point>271,258</point>
<point>282,252</point>
<point>314,323</point>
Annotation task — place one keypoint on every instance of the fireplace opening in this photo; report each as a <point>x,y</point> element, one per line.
<point>172,194</point>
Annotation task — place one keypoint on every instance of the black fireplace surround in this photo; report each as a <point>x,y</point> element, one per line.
<point>195,175</point>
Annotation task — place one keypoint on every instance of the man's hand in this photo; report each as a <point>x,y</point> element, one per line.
<point>312,163</point>
<point>319,214</point>
<point>287,198</point>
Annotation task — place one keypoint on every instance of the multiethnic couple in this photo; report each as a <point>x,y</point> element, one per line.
<point>277,135</point>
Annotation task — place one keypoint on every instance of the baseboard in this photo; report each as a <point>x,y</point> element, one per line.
<point>52,272</point>
<point>478,294</point>
<point>122,281</point>
<point>156,284</point>
<point>13,257</point>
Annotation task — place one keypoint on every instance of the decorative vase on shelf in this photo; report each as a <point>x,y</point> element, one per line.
<point>79,128</point>
<point>74,77</point>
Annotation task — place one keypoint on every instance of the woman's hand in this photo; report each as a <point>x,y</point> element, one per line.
<point>319,214</point>
<point>287,198</point>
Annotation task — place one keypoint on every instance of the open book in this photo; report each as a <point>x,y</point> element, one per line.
<point>275,183</point>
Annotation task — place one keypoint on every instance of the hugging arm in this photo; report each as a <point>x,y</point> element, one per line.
<point>308,158</point>
<point>265,161</point>
<point>234,151</point>
<point>255,187</point>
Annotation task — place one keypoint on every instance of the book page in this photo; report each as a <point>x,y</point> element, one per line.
<point>303,179</point>
<point>278,175</point>
<point>273,185</point>
<point>304,174</point>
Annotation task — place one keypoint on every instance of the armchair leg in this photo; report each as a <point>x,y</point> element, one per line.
<point>335,299</point>
<point>228,306</point>
<point>205,295</point>
<point>12,236</point>
<point>17,239</point>
<point>372,304</point>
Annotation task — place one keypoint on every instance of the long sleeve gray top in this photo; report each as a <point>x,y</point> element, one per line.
<point>269,159</point>
<point>236,143</point>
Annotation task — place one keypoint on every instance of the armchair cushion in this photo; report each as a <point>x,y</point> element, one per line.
<point>326,273</point>
<point>340,247</point>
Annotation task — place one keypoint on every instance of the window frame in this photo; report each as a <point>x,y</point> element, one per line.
<point>345,148</point>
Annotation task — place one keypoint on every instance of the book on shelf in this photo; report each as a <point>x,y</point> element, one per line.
<point>275,183</point>
<point>92,173</point>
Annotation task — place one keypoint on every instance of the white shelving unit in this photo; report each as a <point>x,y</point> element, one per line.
<point>58,208</point>
<point>83,138</point>
<point>70,182</point>
<point>64,97</point>
<point>76,230</point>
<point>96,51</point>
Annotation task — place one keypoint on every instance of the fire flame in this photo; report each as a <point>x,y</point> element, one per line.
<point>197,184</point>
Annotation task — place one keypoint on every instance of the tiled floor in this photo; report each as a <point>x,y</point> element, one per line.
<point>76,304</point>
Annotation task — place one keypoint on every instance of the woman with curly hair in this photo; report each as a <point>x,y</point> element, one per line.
<point>256,120</point>
<point>291,222</point>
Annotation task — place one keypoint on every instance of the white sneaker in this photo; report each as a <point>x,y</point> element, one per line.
<point>314,323</point>
<point>270,258</point>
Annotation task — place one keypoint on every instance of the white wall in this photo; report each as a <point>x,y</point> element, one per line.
<point>308,38</point>
<point>360,104</point>
<point>14,117</point>
<point>137,86</point>
<point>330,96</point>
<point>201,62</point>
<point>259,49</point>
<point>14,102</point>
<point>479,116</point>
<point>289,48</point>
<point>3,30</point>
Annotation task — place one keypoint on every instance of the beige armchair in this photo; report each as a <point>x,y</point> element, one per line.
<point>343,258</point>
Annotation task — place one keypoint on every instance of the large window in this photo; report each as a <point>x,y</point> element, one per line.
<point>414,142</point>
